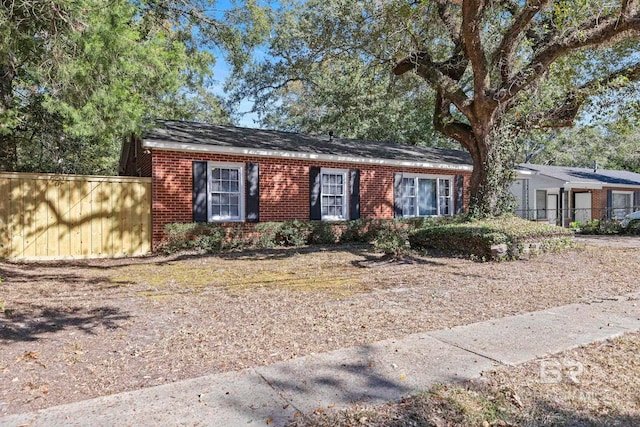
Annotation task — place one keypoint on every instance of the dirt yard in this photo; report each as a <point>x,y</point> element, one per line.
<point>80,329</point>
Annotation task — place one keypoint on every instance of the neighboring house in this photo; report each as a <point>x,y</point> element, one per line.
<point>561,194</point>
<point>231,175</point>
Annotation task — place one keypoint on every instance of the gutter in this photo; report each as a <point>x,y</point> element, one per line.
<point>294,155</point>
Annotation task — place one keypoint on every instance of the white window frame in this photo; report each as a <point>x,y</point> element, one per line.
<point>627,209</point>
<point>438,179</point>
<point>241,193</point>
<point>345,196</point>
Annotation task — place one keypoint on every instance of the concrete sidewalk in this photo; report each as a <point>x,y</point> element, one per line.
<point>376,373</point>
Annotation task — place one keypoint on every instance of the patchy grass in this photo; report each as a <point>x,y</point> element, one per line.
<point>105,326</point>
<point>602,392</point>
<point>329,278</point>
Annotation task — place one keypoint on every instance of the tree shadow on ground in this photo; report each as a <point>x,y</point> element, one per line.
<point>381,260</point>
<point>42,320</point>
<point>365,377</point>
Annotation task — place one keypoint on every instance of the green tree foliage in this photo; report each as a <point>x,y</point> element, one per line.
<point>77,75</point>
<point>307,83</point>
<point>612,146</point>
<point>490,70</point>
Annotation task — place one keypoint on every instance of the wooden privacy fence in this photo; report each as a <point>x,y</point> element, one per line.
<point>45,216</point>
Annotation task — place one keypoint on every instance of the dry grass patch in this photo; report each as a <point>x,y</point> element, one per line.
<point>296,272</point>
<point>149,321</point>
<point>603,392</point>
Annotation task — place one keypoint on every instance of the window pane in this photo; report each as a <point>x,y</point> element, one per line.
<point>444,206</point>
<point>427,197</point>
<point>333,190</point>
<point>408,206</point>
<point>541,204</point>
<point>408,187</point>
<point>621,204</point>
<point>445,188</point>
<point>225,197</point>
<point>445,197</point>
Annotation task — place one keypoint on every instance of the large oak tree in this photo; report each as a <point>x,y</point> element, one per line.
<point>497,68</point>
<point>504,49</point>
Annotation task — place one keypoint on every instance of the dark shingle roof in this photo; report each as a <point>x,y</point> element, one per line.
<point>182,132</point>
<point>585,175</point>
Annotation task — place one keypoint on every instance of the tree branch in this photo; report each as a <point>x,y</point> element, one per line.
<point>435,74</point>
<point>472,14</point>
<point>594,32</point>
<point>503,56</point>
<point>445,123</point>
<point>564,115</point>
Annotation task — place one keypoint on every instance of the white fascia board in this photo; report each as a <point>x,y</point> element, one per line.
<point>598,186</point>
<point>524,174</point>
<point>216,149</point>
<point>582,186</point>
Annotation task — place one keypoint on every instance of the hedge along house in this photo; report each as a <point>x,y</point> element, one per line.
<point>230,175</point>
<point>561,194</point>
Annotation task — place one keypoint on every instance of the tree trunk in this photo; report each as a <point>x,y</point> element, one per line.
<point>493,171</point>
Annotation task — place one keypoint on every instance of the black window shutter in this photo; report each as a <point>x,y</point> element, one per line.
<point>200,213</point>
<point>609,203</point>
<point>459,194</point>
<point>354,194</point>
<point>252,191</point>
<point>315,210</point>
<point>397,195</point>
<point>636,200</point>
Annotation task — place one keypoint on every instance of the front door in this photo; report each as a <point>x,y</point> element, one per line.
<point>582,205</point>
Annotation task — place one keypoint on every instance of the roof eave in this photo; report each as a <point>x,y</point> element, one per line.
<point>298,155</point>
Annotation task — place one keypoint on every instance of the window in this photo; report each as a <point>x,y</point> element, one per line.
<point>334,194</point>
<point>426,196</point>
<point>621,203</point>
<point>541,204</point>
<point>226,192</point>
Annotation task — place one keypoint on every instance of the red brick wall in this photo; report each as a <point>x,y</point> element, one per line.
<point>284,187</point>
<point>599,200</point>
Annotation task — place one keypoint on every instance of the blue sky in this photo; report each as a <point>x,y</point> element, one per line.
<point>221,72</point>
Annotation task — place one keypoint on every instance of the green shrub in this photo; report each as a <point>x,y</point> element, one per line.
<point>362,230</point>
<point>288,233</point>
<point>633,228</point>
<point>267,234</point>
<point>601,226</point>
<point>475,238</point>
<point>203,237</point>
<point>293,233</point>
<point>392,238</point>
<point>322,233</point>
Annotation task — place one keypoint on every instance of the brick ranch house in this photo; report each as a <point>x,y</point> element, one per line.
<point>226,174</point>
